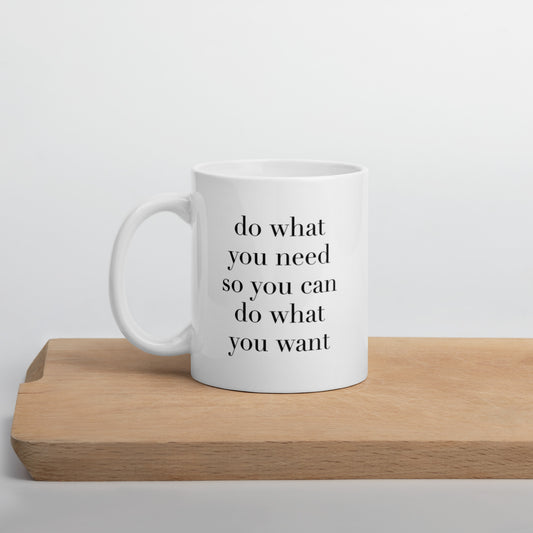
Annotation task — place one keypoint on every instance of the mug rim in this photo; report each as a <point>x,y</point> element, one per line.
<point>216,169</point>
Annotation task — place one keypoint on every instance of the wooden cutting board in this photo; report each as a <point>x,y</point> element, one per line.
<point>99,409</point>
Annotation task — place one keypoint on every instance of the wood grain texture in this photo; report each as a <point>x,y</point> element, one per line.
<point>99,409</point>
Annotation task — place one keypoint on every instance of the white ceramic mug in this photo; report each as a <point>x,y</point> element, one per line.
<point>279,275</point>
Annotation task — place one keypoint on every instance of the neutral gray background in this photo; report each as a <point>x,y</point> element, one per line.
<point>105,103</point>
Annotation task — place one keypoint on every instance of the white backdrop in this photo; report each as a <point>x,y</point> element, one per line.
<point>105,103</point>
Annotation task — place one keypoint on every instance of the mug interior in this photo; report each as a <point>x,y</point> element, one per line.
<point>276,168</point>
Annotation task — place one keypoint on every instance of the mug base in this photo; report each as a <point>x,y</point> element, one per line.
<point>281,390</point>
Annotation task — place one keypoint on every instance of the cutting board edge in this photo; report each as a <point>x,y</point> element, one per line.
<point>60,461</point>
<point>36,369</point>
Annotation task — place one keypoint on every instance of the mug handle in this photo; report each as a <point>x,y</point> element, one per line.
<point>181,343</point>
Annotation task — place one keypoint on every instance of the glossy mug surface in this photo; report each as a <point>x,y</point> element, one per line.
<point>279,275</point>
